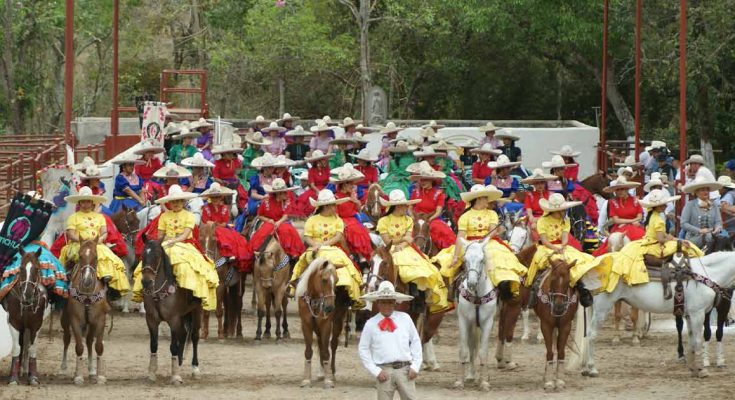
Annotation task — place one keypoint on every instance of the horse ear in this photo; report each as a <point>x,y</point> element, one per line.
<point>39,252</point>
<point>125,208</point>
<point>21,251</point>
<point>462,242</point>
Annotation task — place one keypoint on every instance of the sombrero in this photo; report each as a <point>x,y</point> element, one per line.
<point>328,120</point>
<point>176,193</point>
<point>85,193</point>
<point>396,197</point>
<point>325,198</point>
<point>317,155</point>
<point>487,148</point>
<point>489,127</point>
<point>86,162</point>
<point>444,146</point>
<point>200,123</point>
<point>427,132</point>
<point>556,162</point>
<point>92,172</point>
<point>699,183</point>
<point>274,127</point>
<point>428,151</point>
<point>223,148</point>
<point>283,161</point>
<point>653,182</point>
<point>507,133</point>
<point>364,129</point>
<point>389,128</point>
<point>491,192</point>
<point>257,138</point>
<point>278,186</point>
<point>726,181</point>
<point>127,158</point>
<point>346,173</point>
<point>695,159</point>
<point>347,122</point>
<point>186,133</point>
<point>566,151</point>
<point>172,128</point>
<point>620,183</point>
<point>171,170</point>
<point>217,190</point>
<point>423,170</point>
<point>197,160</point>
<point>321,126</point>
<point>433,125</point>
<point>538,175</point>
<point>266,160</point>
<point>148,147</point>
<point>623,170</point>
<point>287,117</point>
<point>556,202</point>
<point>629,162</point>
<point>259,120</point>
<point>299,131</point>
<point>365,155</point>
<point>342,139</point>
<point>401,147</point>
<point>386,291</point>
<point>502,162</point>
<point>657,197</point>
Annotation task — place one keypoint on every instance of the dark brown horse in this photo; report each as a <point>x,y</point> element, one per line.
<point>25,304</point>
<point>127,223</point>
<point>270,276</point>
<point>372,207</point>
<point>422,234</point>
<point>322,309</point>
<point>596,183</point>
<point>166,301</point>
<point>86,313</point>
<point>229,291</point>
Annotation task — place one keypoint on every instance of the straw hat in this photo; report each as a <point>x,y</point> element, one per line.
<point>364,129</point>
<point>223,148</point>
<point>538,175</point>
<point>274,127</point>
<point>726,181</point>
<point>389,128</point>
<point>502,162</point>
<point>86,162</point>
<point>695,159</point>
<point>433,125</point>
<point>92,172</point>
<point>443,146</point>
<point>491,192</point>
<point>171,170</point>
<point>487,148</point>
<point>176,193</point>
<point>197,160</point>
<point>325,198</point>
<point>699,183</point>
<point>172,128</point>
<point>629,162</point>
<point>328,120</point>
<point>127,158</point>
<point>653,182</point>
<point>85,193</point>
<point>566,151</point>
<point>299,131</point>
<point>186,133</point>
<point>317,155</point>
<point>259,120</point>
<point>623,170</point>
<point>257,139</point>
<point>396,197</point>
<point>277,186</point>
<point>507,133</point>
<point>365,155</point>
<point>428,151</point>
<point>266,160</point>
<point>657,197</point>
<point>386,291</point>
<point>347,122</point>
<point>149,146</point>
<point>346,173</point>
<point>341,138</point>
<point>287,117</point>
<point>200,123</point>
<point>321,126</point>
<point>620,183</point>
<point>283,161</point>
<point>489,127</point>
<point>556,162</point>
<point>556,202</point>
<point>427,132</point>
<point>423,170</point>
<point>401,147</point>
<point>657,144</point>
<point>217,190</point>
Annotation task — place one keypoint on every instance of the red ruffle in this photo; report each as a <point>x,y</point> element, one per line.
<point>232,244</point>
<point>633,232</point>
<point>302,208</point>
<point>441,234</point>
<point>287,236</point>
<point>358,238</point>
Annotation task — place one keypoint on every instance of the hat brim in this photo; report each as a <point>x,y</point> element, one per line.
<point>628,185</point>
<point>572,154</point>
<point>316,203</point>
<point>398,297</point>
<point>269,189</point>
<point>485,129</point>
<point>481,151</point>
<point>256,122</point>
<point>420,154</point>
<point>265,142</point>
<point>279,129</point>
<point>495,165</point>
<point>668,200</point>
<point>690,161</point>
<point>312,159</point>
<point>394,149</point>
<point>182,196</point>
<point>343,141</point>
<point>693,187</point>
<point>127,161</point>
<point>154,150</point>
<point>550,166</point>
<point>292,118</point>
<point>365,129</point>
<point>368,159</point>
<point>294,133</point>
<point>389,131</point>
<point>227,150</point>
<point>535,179</point>
<point>77,198</point>
<point>217,194</point>
<point>437,126</point>
<point>544,204</point>
<point>647,186</point>
<point>491,195</point>
<point>502,136</point>
<point>388,203</point>
<point>191,134</point>
<point>192,165</point>
<point>82,175</point>
<point>197,125</point>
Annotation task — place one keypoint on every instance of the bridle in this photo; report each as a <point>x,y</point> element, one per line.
<point>550,298</point>
<point>317,306</point>
<point>131,233</point>
<point>165,289</point>
<point>38,294</point>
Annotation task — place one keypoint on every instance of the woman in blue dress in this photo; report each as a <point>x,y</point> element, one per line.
<point>128,185</point>
<point>201,176</point>
<point>265,165</point>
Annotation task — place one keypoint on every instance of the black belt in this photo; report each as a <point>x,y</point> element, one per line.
<point>396,364</point>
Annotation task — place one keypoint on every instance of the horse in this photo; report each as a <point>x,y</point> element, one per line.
<point>615,242</point>
<point>86,310</point>
<point>166,301</point>
<point>475,312</point>
<point>127,223</point>
<point>422,236</point>
<point>322,309</point>
<point>372,207</point>
<point>596,183</point>
<point>271,273</point>
<point>25,304</point>
<point>229,290</point>
<point>699,295</point>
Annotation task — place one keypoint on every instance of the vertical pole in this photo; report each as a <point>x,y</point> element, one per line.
<point>682,96</point>
<point>69,79</point>
<point>115,115</point>
<point>603,117</point>
<point>638,12</point>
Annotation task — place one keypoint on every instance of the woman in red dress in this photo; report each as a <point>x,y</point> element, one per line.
<point>571,172</point>
<point>318,180</point>
<point>538,180</point>
<point>230,243</point>
<point>283,163</point>
<point>624,212</point>
<point>171,174</point>
<point>432,202</point>
<point>274,211</point>
<point>225,172</point>
<point>480,170</point>
<point>366,166</point>
<point>151,163</point>
<point>355,233</point>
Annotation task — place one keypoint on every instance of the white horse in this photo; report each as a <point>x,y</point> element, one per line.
<point>699,298</point>
<point>475,312</point>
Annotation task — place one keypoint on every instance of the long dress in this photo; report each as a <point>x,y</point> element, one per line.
<point>287,236</point>
<point>371,176</point>
<point>225,170</point>
<point>319,177</point>
<point>356,235</point>
<point>531,202</point>
<point>229,242</point>
<point>199,185</point>
<point>480,170</point>
<point>145,171</point>
<point>179,152</point>
<point>501,263</point>
<point>397,177</point>
<point>256,184</point>
<point>626,208</point>
<point>51,274</point>
<point>441,234</point>
<point>414,266</point>
<point>88,225</point>
<point>119,197</point>
<point>247,172</point>
<point>321,228</point>
<point>193,271</point>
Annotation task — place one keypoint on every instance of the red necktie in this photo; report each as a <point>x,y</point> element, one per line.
<point>387,324</point>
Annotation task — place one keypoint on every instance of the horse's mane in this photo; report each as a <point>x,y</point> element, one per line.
<point>150,245</point>
<point>304,280</point>
<point>525,256</point>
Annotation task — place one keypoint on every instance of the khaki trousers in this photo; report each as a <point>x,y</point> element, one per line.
<point>397,381</point>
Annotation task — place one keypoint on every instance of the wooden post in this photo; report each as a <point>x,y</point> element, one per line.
<point>115,115</point>
<point>69,74</point>
<point>603,106</point>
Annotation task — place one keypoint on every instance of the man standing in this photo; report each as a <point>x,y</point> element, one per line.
<point>390,347</point>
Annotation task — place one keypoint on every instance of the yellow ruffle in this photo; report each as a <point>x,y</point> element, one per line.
<point>192,271</point>
<point>347,274</point>
<point>444,259</point>
<point>584,263</point>
<point>502,264</point>
<point>108,264</point>
<point>414,268</point>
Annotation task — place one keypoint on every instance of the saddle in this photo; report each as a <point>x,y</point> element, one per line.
<point>667,269</point>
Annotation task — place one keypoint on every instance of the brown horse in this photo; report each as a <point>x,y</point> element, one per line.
<point>25,304</point>
<point>165,301</point>
<point>596,183</point>
<point>322,309</point>
<point>372,207</point>
<point>270,276</point>
<point>421,234</point>
<point>229,291</point>
<point>86,310</point>
<point>127,223</point>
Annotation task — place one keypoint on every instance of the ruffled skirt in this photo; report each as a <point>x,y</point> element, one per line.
<point>108,264</point>
<point>232,244</point>
<point>358,238</point>
<point>347,274</point>
<point>414,267</point>
<point>51,275</point>
<point>585,263</point>
<point>287,236</point>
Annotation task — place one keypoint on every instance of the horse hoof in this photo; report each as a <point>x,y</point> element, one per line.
<point>328,384</point>
<point>524,338</point>
<point>220,336</point>
<point>152,378</point>
<point>101,380</point>
<point>485,386</point>
<point>196,373</point>
<point>305,383</point>
<point>636,341</point>
<point>509,366</point>
<point>702,373</point>
<point>267,335</point>
<point>549,386</point>
<point>176,380</point>
<point>616,340</point>
<point>593,373</point>
<point>560,384</point>
<point>13,383</point>
<point>33,381</point>
<point>681,359</point>
<point>78,380</point>
<point>459,384</point>
<point>435,368</point>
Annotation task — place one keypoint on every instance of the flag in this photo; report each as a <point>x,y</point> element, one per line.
<point>26,220</point>
<point>154,116</point>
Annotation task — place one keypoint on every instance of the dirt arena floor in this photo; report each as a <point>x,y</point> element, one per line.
<point>245,369</point>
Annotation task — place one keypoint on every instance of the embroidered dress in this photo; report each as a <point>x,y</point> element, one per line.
<point>205,140</point>
<point>371,176</point>
<point>397,177</point>
<point>413,266</point>
<point>51,274</point>
<point>179,152</point>
<point>145,171</point>
<point>248,156</point>
<point>356,235</point>
<point>114,239</point>
<point>571,172</point>
<point>226,171</point>
<point>199,184</point>
<point>277,146</point>
<point>256,185</point>
<point>287,236</point>
<point>441,234</point>
<point>88,225</point>
<point>319,177</point>
<point>229,242</point>
<point>480,170</point>
<point>319,143</point>
<point>119,197</point>
<point>627,208</point>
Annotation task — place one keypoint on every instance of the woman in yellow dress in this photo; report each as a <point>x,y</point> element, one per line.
<point>479,222</point>
<point>323,233</point>
<point>414,267</point>
<point>553,228</point>
<point>628,262</point>
<point>90,224</point>
<point>192,269</point>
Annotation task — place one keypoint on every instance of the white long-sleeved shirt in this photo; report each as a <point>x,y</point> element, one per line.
<point>382,347</point>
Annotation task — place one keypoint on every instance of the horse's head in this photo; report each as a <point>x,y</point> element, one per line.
<point>29,276</point>
<point>382,268</point>
<point>324,283</point>
<point>126,221</point>
<point>596,183</point>
<point>372,206</point>
<point>87,266</point>
<point>208,240</point>
<point>266,262</point>
<point>558,285</point>
<point>421,232</point>
<point>474,262</point>
<point>153,263</point>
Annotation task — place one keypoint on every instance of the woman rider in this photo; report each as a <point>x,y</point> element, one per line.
<point>538,180</point>
<point>623,211</point>
<point>342,146</point>
<point>148,150</point>
<point>365,164</point>
<point>356,235</point>
<point>401,156</point>
<point>431,202</point>
<point>389,132</point>
<point>571,172</point>
<point>504,181</point>
<point>265,166</point>
<point>480,170</point>
<point>274,212</point>
<point>226,170</point>
<point>128,185</point>
<point>205,141</point>
<point>201,178</point>
<point>319,173</point>
<point>255,150</point>
<point>275,135</point>
<point>183,149</point>
<point>701,219</point>
<point>230,243</point>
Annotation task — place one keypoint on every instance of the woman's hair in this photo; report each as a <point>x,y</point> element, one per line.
<point>318,210</point>
<point>469,207</point>
<point>390,210</point>
<point>648,216</point>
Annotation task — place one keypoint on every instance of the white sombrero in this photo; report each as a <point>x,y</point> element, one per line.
<point>556,202</point>
<point>364,129</point>
<point>86,162</point>
<point>93,172</point>
<point>556,162</point>
<point>345,173</point>
<point>85,193</point>
<point>566,151</point>
<point>401,146</point>
<point>726,181</point>
<point>176,193</point>
<point>299,131</point>
<point>317,155</point>
<point>200,123</point>
<point>287,117</point>
<point>657,197</point>
<point>348,122</point>
<point>365,155</point>
<point>325,198</point>
<point>172,128</point>
<point>389,128</point>
<point>328,120</point>
<point>695,159</point>
<point>491,192</point>
<point>321,126</point>
<point>427,132</point>
<point>538,175</point>
<point>699,183</point>
<point>223,148</point>
<point>620,183</point>
<point>489,127</point>
<point>432,124</point>
<point>217,190</point>
<point>148,146</point>
<point>648,187</point>
<point>502,162</point>
<point>186,133</point>
<point>423,170</point>
<point>278,186</point>
<point>266,160</point>
<point>257,138</point>
<point>386,291</point>
<point>444,146</point>
<point>487,148</point>
<point>396,197</point>
<point>171,170</point>
<point>507,133</point>
<point>343,139</point>
<point>259,120</point>
<point>428,151</point>
<point>283,161</point>
<point>623,170</point>
<point>197,160</point>
<point>127,158</point>
<point>274,127</point>
<point>628,162</point>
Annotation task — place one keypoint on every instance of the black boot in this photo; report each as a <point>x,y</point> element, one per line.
<point>585,297</point>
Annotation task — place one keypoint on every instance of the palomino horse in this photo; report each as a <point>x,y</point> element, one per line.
<point>86,309</point>
<point>229,290</point>
<point>127,223</point>
<point>322,308</point>
<point>270,276</point>
<point>25,304</point>
<point>165,301</point>
<point>372,207</point>
<point>475,312</point>
<point>422,235</point>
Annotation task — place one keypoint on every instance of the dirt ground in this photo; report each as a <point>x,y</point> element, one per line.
<point>245,369</point>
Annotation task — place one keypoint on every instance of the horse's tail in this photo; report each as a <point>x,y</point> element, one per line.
<point>189,327</point>
<point>579,348</point>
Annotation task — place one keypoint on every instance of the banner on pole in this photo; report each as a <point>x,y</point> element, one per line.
<point>154,117</point>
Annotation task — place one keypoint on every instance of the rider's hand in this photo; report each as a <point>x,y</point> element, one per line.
<point>412,374</point>
<point>382,376</point>
<point>704,230</point>
<point>141,201</point>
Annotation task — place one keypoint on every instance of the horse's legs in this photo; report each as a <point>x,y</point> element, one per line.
<point>565,327</point>
<point>153,324</point>
<point>600,308</point>
<point>15,361</point>
<point>431,327</point>
<point>483,351</point>
<point>465,347</point>
<point>91,362</point>
<point>268,304</point>
<point>284,301</point>
<point>239,305</point>
<point>634,320</point>
<point>79,350</point>
<point>337,326</point>
<point>66,337</point>
<point>32,354</point>
<point>617,316</point>
<point>99,346</point>
<point>325,342</point>
<point>177,331</point>
<point>680,345</point>
<point>707,336</point>
<point>306,329</point>
<point>695,323</point>
<point>722,311</point>
<point>220,310</point>
<point>547,329</point>
<point>195,317</point>
<point>512,310</point>
<point>526,325</point>
<point>262,299</point>
<point>205,325</point>
<point>280,306</point>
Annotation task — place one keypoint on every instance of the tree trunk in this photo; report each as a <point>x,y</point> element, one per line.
<point>9,70</point>
<point>281,96</point>
<point>704,125</point>
<point>364,24</point>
